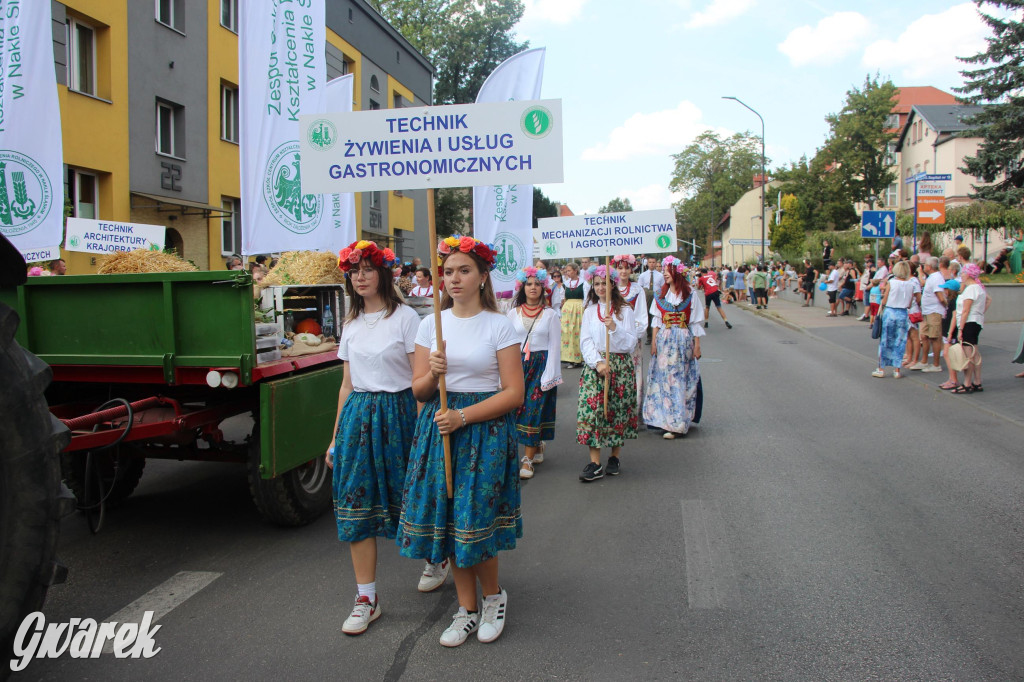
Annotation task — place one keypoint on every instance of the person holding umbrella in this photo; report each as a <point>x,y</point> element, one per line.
<point>483,374</point>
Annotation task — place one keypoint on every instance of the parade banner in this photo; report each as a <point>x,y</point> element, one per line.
<point>31,155</point>
<point>607,234</point>
<point>503,214</point>
<point>342,206</point>
<point>429,147</point>
<point>108,236</point>
<point>282,72</point>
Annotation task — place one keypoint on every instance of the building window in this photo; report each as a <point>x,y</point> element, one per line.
<point>374,84</point>
<point>228,113</point>
<point>229,15</point>
<point>350,19</point>
<point>171,13</point>
<point>375,200</point>
<point>925,166</point>
<point>81,40</point>
<point>374,105</point>
<point>346,66</point>
<point>892,121</point>
<point>170,129</point>
<point>892,195</point>
<point>83,191</point>
<point>890,154</point>
<point>231,226</point>
<point>398,101</point>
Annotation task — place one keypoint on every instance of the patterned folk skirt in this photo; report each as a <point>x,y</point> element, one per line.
<point>893,342</point>
<point>674,398</point>
<point>572,319</point>
<point>535,419</point>
<point>371,450</point>
<point>484,517</point>
<point>592,428</point>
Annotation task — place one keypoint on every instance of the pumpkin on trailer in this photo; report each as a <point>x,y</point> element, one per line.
<point>308,326</point>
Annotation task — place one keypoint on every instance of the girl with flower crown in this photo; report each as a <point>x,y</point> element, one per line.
<point>634,296</point>
<point>596,427</point>
<point>540,339</point>
<point>376,413</point>
<point>574,291</point>
<point>484,380</point>
<point>674,401</point>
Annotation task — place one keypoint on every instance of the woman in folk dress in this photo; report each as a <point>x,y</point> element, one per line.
<point>634,295</point>
<point>674,397</point>
<point>540,339</point>
<point>483,373</point>
<point>595,427</point>
<point>572,314</point>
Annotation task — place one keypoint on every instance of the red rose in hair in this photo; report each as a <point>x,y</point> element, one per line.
<point>343,255</point>
<point>466,244</point>
<point>355,256</point>
<point>482,251</point>
<point>389,254</point>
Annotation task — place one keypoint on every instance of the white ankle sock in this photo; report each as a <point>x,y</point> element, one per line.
<point>369,590</point>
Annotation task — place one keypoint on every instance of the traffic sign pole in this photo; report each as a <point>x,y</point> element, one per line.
<point>915,215</point>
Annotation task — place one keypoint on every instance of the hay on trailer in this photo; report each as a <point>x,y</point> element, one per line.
<point>304,267</point>
<point>141,260</point>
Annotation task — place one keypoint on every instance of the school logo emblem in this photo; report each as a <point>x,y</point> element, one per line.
<point>321,134</point>
<point>537,122</point>
<point>511,256</point>
<point>74,242</point>
<point>551,248</point>
<point>282,190</point>
<point>664,241</point>
<point>26,194</point>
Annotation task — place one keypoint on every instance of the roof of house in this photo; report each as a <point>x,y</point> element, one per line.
<point>906,98</point>
<point>564,211</point>
<point>942,118</point>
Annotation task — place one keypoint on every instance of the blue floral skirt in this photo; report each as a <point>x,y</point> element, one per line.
<point>371,453</point>
<point>535,419</point>
<point>893,342</point>
<point>674,398</point>
<point>484,517</point>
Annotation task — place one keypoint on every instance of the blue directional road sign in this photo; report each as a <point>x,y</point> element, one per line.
<point>878,224</point>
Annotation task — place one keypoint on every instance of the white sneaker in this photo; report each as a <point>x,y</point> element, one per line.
<point>463,625</point>
<point>492,620</point>
<point>538,457</point>
<point>525,467</point>
<point>918,365</point>
<point>878,373</point>
<point>931,368</point>
<point>434,576</point>
<point>363,613</point>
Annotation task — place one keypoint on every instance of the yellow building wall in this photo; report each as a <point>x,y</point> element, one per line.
<point>95,132</point>
<point>223,172</point>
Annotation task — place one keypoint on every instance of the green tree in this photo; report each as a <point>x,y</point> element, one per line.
<point>856,150</point>
<point>822,200</point>
<point>542,206</point>
<point>997,83</point>
<point>788,235</point>
<point>616,205</point>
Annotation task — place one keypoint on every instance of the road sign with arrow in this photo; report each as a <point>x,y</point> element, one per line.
<point>931,203</point>
<point>878,224</point>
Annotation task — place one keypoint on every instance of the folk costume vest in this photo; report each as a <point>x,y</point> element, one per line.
<point>674,315</point>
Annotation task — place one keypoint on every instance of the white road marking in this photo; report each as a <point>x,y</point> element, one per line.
<point>162,599</point>
<point>710,572</point>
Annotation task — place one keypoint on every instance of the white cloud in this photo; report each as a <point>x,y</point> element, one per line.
<point>930,45</point>
<point>719,12</point>
<point>649,197</point>
<point>657,133</point>
<point>552,11</point>
<point>833,38</point>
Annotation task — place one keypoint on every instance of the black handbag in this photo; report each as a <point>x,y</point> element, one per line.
<point>876,326</point>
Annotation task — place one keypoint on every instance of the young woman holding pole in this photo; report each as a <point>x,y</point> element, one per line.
<point>376,414</point>
<point>538,329</point>
<point>478,367</point>
<point>634,296</point>
<point>607,338</point>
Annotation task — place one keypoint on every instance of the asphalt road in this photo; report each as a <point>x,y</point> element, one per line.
<point>818,525</point>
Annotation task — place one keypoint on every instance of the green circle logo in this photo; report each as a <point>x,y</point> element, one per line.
<point>537,122</point>
<point>26,194</point>
<point>551,248</point>
<point>282,190</point>
<point>74,242</point>
<point>664,241</point>
<point>321,134</point>
<point>511,257</point>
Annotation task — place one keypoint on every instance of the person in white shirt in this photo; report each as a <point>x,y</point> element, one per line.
<point>480,360</point>
<point>651,281</point>
<point>557,292</point>
<point>540,340</point>
<point>971,306</point>
<point>376,346</point>
<point>897,296</point>
<point>933,309</point>
<point>424,283</point>
<point>835,274</point>
<point>573,291</point>
<point>674,397</point>
<point>636,298</point>
<point>607,339</point>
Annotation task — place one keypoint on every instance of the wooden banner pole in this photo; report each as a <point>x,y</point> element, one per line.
<point>443,393</point>
<point>607,334</point>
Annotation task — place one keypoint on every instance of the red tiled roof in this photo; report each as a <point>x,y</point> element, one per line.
<point>564,211</point>
<point>907,97</point>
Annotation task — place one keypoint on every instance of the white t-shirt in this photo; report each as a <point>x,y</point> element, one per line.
<point>901,293</point>
<point>833,281</point>
<point>916,288</point>
<point>977,295</point>
<point>472,348</point>
<point>378,352</point>
<point>930,303</point>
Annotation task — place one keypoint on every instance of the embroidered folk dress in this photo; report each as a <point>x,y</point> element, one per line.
<point>637,300</point>
<point>542,371</point>
<point>593,428</point>
<point>674,397</point>
<point>572,315</point>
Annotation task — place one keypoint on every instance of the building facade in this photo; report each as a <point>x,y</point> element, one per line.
<point>149,110</point>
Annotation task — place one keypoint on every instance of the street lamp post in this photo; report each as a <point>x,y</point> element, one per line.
<point>763,252</point>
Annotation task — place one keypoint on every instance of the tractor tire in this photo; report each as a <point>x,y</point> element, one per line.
<point>32,498</point>
<point>294,498</point>
<point>120,474</point>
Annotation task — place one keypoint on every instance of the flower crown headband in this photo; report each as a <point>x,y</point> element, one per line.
<point>350,256</point>
<point>625,258</point>
<point>599,272</point>
<point>540,273</point>
<point>456,243</point>
<point>668,261</point>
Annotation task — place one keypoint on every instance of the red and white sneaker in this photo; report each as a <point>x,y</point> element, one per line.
<point>363,613</point>
<point>434,576</point>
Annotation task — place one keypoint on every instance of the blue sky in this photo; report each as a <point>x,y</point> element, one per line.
<point>639,80</point>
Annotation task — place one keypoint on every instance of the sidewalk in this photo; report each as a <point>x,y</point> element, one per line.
<point>1003,392</point>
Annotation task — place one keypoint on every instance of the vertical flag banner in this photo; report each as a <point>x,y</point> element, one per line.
<point>503,214</point>
<point>342,206</point>
<point>282,73</point>
<point>31,153</point>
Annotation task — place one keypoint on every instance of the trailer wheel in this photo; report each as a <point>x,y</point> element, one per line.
<point>294,498</point>
<point>32,499</point>
<point>119,472</point>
